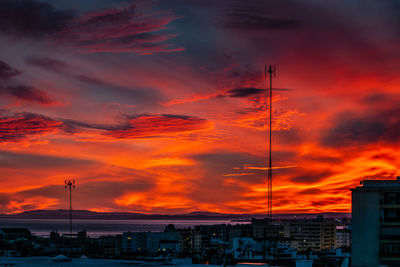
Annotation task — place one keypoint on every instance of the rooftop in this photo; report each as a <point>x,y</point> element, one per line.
<point>49,261</point>
<point>376,184</point>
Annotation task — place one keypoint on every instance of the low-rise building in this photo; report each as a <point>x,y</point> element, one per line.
<point>315,234</point>
<point>133,242</point>
<point>286,242</point>
<point>245,248</point>
<point>15,233</point>
<point>164,242</point>
<point>265,229</point>
<point>197,241</point>
<point>343,236</point>
<point>186,241</point>
<point>151,242</point>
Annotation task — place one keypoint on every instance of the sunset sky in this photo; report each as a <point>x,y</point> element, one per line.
<point>160,106</point>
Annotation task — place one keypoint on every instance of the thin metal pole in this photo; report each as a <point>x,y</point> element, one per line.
<point>70,218</point>
<point>269,180</point>
<point>270,145</point>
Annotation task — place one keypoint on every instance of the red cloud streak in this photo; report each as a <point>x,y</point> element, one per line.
<point>155,125</point>
<point>25,125</point>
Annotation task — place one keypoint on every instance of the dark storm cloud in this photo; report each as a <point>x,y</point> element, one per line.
<point>349,130</point>
<point>29,93</point>
<point>31,18</point>
<point>47,63</point>
<point>252,18</point>
<point>6,71</point>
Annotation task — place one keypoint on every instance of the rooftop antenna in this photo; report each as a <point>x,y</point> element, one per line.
<point>271,71</point>
<point>70,184</point>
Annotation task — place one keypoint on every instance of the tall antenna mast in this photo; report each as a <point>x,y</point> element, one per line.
<point>271,70</point>
<point>70,184</point>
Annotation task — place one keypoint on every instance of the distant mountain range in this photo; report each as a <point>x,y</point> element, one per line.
<point>91,215</point>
